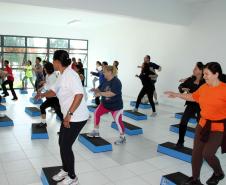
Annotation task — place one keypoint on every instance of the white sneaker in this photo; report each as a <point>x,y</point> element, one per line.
<point>135,110</point>
<point>69,181</point>
<point>60,176</point>
<point>94,133</point>
<point>120,141</point>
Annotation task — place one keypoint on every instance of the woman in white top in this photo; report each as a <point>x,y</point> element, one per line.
<point>52,102</point>
<point>69,90</point>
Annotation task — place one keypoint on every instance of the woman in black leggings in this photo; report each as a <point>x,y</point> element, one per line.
<point>192,109</point>
<point>148,88</point>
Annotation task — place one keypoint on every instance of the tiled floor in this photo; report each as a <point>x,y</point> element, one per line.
<point>135,163</point>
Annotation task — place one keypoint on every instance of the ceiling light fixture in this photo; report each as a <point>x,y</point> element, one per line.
<point>73,21</point>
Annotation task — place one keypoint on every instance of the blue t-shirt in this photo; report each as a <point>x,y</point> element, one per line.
<point>112,103</point>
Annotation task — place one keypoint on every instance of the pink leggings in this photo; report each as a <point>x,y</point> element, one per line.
<point>117,115</point>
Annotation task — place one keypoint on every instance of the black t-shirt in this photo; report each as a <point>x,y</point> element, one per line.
<point>145,79</point>
<point>112,103</point>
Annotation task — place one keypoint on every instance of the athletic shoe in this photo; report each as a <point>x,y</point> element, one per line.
<point>154,114</point>
<point>69,181</point>
<point>94,133</point>
<point>214,179</point>
<point>179,145</point>
<point>121,140</point>
<point>41,125</point>
<point>192,181</point>
<point>5,95</point>
<point>14,99</point>
<point>60,176</point>
<point>135,110</point>
<point>156,103</point>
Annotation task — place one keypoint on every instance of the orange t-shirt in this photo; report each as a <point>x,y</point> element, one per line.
<point>212,101</point>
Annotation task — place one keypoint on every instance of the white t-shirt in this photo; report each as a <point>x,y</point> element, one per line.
<point>50,81</point>
<point>66,87</point>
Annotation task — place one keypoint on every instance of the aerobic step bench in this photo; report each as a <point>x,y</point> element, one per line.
<point>92,108</point>
<point>2,107</point>
<point>189,133</point>
<point>129,128</point>
<point>23,91</point>
<point>95,144</point>
<point>134,115</point>
<point>3,100</point>
<point>177,178</point>
<point>33,111</point>
<point>142,105</point>
<point>170,149</point>
<point>38,133</point>
<point>180,114</point>
<point>35,101</point>
<point>48,173</point>
<point>5,121</point>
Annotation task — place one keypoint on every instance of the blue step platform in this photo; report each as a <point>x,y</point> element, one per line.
<point>168,148</point>
<point>3,100</point>
<point>38,133</point>
<point>96,144</point>
<point>177,178</point>
<point>23,91</point>
<point>180,114</point>
<point>142,105</point>
<point>134,115</point>
<point>2,107</point>
<point>33,111</point>
<point>48,173</point>
<point>189,133</point>
<point>92,108</point>
<point>5,121</point>
<point>129,128</point>
<point>35,101</point>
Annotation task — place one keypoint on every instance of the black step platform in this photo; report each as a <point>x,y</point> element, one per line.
<point>95,144</point>
<point>92,108</point>
<point>38,133</point>
<point>134,115</point>
<point>177,178</point>
<point>168,148</point>
<point>5,121</point>
<point>189,133</point>
<point>48,173</point>
<point>191,120</point>
<point>129,128</point>
<point>33,111</point>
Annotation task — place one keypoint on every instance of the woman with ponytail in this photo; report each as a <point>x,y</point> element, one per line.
<point>111,92</point>
<point>210,132</point>
<point>192,109</point>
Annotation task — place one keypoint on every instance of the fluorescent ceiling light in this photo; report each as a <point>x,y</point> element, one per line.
<point>73,21</point>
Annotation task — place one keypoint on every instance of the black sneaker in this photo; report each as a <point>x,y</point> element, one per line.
<point>214,179</point>
<point>192,181</point>
<point>15,99</point>
<point>5,95</point>
<point>41,125</point>
<point>179,145</point>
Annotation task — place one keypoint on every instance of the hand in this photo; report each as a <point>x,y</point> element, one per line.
<point>66,121</point>
<point>186,90</point>
<point>38,96</point>
<point>170,94</point>
<point>92,90</point>
<point>97,94</point>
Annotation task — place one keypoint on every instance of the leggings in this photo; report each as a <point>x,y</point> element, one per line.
<point>190,111</point>
<point>24,82</point>
<point>53,103</point>
<point>117,115</point>
<point>206,151</point>
<point>149,91</point>
<point>10,86</point>
<point>67,137</point>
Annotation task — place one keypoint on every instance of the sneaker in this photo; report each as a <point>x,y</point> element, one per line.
<point>15,99</point>
<point>135,110</point>
<point>5,95</point>
<point>60,176</point>
<point>41,125</point>
<point>214,179</point>
<point>121,140</point>
<point>192,181</point>
<point>94,133</point>
<point>68,181</point>
<point>154,114</point>
<point>179,145</point>
<point>156,103</point>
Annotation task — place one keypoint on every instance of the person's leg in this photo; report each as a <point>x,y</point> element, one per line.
<point>4,87</point>
<point>56,106</point>
<point>68,138</point>
<point>97,100</point>
<point>189,112</point>
<point>32,83</point>
<point>43,108</point>
<point>12,90</point>
<point>140,96</point>
<point>150,92</point>
<point>23,82</point>
<point>155,96</point>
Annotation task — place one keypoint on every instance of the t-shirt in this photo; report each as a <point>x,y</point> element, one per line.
<point>66,87</point>
<point>10,73</point>
<point>212,101</point>
<point>50,81</point>
<point>112,103</point>
<point>28,71</point>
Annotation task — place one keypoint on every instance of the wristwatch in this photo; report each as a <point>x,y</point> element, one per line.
<point>70,113</point>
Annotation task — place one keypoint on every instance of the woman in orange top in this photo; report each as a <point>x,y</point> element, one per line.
<point>210,131</point>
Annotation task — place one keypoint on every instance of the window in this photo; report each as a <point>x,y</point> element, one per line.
<point>18,49</point>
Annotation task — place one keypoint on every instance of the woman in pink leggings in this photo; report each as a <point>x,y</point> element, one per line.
<point>111,92</point>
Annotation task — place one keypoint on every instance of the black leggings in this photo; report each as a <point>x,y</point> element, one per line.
<point>97,100</point>
<point>67,137</point>
<point>53,103</point>
<point>10,86</point>
<point>191,110</point>
<point>150,92</point>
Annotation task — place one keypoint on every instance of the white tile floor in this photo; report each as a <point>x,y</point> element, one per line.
<point>135,163</point>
